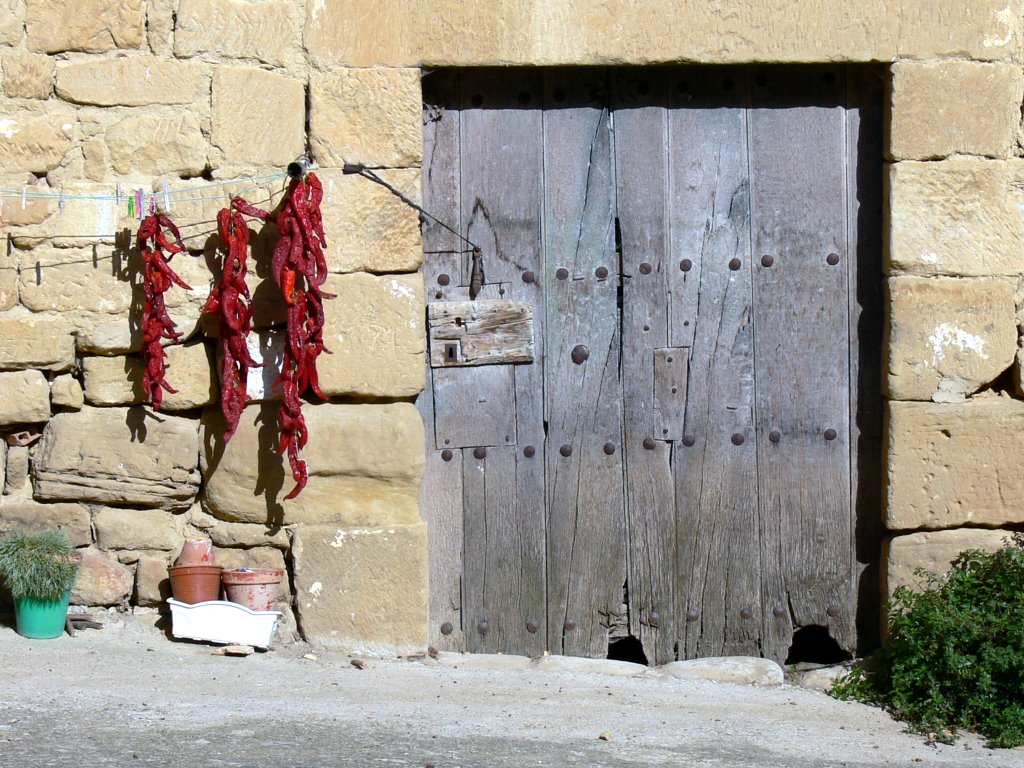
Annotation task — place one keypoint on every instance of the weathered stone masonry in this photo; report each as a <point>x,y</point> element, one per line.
<point>101,92</point>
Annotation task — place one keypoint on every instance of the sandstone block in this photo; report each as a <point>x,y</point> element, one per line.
<point>160,26</point>
<point>118,456</point>
<point>35,142</point>
<point>653,31</point>
<point>931,118</point>
<point>257,557</point>
<point>372,116</point>
<point>247,535</point>
<point>35,341</point>
<point>119,337</point>
<point>950,465</point>
<point>258,117</point>
<point>16,479</point>
<point>138,529</point>
<point>368,228</point>
<point>158,144</point>
<point>66,392</point>
<point>363,589</point>
<point>375,330</point>
<point>933,551</point>
<point>36,209</point>
<point>267,31</point>
<point>28,75</point>
<point>118,380</point>
<point>101,581</point>
<point>365,462</point>
<point>12,21</point>
<point>71,280</point>
<point>3,461</point>
<point>131,82</point>
<point>24,398</point>
<point>267,349</point>
<point>960,216</point>
<point>92,26</point>
<point>152,583</point>
<point>8,278</point>
<point>576,665</point>
<point>948,337</point>
<point>95,159</point>
<point>17,514</point>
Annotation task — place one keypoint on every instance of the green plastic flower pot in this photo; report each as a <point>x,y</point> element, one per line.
<point>41,619</point>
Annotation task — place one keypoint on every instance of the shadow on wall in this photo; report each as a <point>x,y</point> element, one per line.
<point>270,465</point>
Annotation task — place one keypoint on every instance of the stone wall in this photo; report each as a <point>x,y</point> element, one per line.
<point>138,92</point>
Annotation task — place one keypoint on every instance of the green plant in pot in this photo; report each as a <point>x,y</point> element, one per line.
<point>40,569</point>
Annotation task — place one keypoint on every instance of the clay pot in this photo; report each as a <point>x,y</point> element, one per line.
<point>196,552</point>
<point>195,583</point>
<point>255,589</point>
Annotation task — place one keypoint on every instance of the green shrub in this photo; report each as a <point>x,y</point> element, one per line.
<point>955,656</point>
<point>38,565</point>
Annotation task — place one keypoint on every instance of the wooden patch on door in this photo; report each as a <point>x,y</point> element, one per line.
<point>465,333</point>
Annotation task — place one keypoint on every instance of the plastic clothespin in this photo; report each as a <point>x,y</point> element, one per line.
<point>60,202</point>
<point>138,204</point>
<point>24,195</point>
<point>152,204</point>
<point>117,192</point>
<point>131,207</point>
<point>167,196</point>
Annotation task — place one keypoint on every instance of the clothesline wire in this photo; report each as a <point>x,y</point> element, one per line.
<point>28,192</point>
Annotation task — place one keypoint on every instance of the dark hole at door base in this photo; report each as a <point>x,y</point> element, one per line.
<point>815,645</point>
<point>627,649</point>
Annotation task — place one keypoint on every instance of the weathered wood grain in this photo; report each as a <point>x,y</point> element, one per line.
<point>641,164</point>
<point>480,332</point>
<point>671,371</point>
<point>801,313</point>
<point>715,463</point>
<point>586,524</point>
<point>502,198</point>
<point>441,488</point>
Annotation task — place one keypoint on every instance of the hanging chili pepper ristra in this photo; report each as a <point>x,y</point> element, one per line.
<point>157,278</point>
<point>299,268</point>
<point>230,299</point>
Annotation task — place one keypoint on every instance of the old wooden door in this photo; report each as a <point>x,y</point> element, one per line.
<point>659,418</point>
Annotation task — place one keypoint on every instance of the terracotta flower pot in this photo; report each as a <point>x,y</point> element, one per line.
<point>255,589</point>
<point>195,583</point>
<point>196,552</point>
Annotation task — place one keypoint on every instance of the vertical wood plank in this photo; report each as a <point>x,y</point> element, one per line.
<point>583,456</point>
<point>801,318</point>
<point>864,244</point>
<point>502,193</point>
<point>441,488</point>
<point>715,463</point>
<point>640,99</point>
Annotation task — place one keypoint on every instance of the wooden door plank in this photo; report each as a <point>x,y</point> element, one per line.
<point>474,406</point>
<point>715,463</point>
<point>801,319</point>
<point>865,94</point>
<point>583,456</point>
<point>640,99</point>
<point>671,373</point>
<point>502,193</point>
<point>441,488</point>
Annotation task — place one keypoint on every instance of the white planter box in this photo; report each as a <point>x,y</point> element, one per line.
<point>218,621</point>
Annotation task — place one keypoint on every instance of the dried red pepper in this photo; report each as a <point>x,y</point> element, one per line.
<point>299,268</point>
<point>157,278</point>
<point>230,299</point>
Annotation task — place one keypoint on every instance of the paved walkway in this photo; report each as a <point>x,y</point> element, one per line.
<point>127,696</point>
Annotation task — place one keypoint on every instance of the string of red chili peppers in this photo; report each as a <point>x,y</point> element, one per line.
<point>300,270</point>
<point>230,298</point>
<point>157,277</point>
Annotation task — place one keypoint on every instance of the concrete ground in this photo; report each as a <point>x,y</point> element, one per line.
<point>128,696</point>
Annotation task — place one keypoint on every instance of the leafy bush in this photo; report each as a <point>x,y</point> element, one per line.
<point>955,656</point>
<point>38,565</point>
